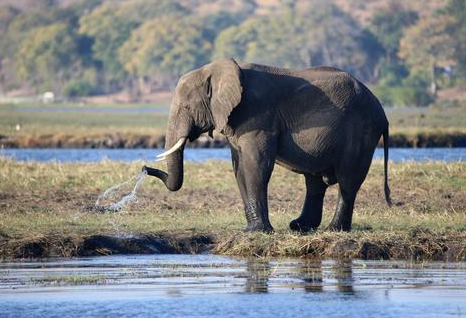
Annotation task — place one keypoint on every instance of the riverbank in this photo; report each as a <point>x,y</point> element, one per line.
<point>46,209</point>
<point>134,141</point>
<point>144,126</point>
<point>416,245</point>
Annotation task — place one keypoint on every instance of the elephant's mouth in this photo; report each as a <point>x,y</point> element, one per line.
<point>195,133</point>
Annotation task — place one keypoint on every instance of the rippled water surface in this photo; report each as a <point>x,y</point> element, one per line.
<point>209,285</point>
<point>92,155</point>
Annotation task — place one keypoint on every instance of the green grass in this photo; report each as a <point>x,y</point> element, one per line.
<point>77,123</point>
<point>408,121</point>
<point>426,120</point>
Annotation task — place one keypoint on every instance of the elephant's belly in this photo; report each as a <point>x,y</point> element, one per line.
<point>307,165</point>
<point>313,152</point>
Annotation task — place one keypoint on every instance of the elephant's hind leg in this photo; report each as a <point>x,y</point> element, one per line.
<point>344,211</point>
<point>311,214</point>
<point>351,173</point>
<point>349,183</point>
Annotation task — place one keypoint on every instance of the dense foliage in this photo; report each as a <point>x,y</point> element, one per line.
<point>91,47</point>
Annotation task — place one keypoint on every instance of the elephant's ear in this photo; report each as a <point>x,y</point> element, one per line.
<point>225,90</point>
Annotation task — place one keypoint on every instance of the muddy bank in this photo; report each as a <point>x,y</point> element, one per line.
<point>424,140</point>
<point>418,245</point>
<point>68,246</point>
<point>110,141</point>
<point>428,140</point>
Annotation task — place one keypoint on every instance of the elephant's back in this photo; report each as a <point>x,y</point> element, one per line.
<point>346,92</point>
<point>314,93</point>
<point>338,86</point>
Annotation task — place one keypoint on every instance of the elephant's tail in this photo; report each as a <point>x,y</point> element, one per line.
<point>385,166</point>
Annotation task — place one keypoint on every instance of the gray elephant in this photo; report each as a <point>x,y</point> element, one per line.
<point>319,122</point>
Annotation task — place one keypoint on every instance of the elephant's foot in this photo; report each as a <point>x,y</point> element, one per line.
<point>259,227</point>
<point>302,226</point>
<point>339,227</point>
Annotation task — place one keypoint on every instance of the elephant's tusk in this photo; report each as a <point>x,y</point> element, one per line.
<point>160,159</point>
<point>178,145</point>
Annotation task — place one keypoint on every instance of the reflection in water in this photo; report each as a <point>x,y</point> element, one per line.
<point>343,273</point>
<point>258,274</point>
<point>311,276</point>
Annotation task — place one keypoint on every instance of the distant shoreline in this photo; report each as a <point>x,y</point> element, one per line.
<point>135,141</point>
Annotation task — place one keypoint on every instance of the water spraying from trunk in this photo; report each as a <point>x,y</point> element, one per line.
<point>111,194</point>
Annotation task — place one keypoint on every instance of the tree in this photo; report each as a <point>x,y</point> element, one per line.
<point>110,25</point>
<point>19,28</point>
<point>108,29</point>
<point>25,22</point>
<point>236,40</point>
<point>388,26</point>
<point>47,57</point>
<point>161,50</point>
<point>319,35</point>
<point>456,9</point>
<point>428,44</point>
<point>216,22</point>
<point>7,15</point>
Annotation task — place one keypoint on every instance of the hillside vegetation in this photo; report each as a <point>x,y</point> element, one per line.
<point>407,50</point>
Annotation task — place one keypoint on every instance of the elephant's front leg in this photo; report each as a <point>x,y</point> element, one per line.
<point>255,166</point>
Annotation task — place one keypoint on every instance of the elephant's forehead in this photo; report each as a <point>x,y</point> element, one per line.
<point>188,85</point>
<point>189,78</point>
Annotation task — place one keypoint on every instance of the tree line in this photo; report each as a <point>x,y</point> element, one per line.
<point>96,47</point>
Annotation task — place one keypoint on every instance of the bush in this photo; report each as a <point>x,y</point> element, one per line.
<point>403,95</point>
<point>78,88</point>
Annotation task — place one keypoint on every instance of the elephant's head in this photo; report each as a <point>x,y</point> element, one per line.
<point>202,102</point>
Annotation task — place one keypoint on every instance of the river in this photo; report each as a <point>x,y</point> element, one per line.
<point>199,155</point>
<point>221,286</point>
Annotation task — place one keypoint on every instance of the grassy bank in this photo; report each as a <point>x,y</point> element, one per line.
<point>45,209</point>
<point>116,126</point>
<point>79,121</point>
<point>120,140</point>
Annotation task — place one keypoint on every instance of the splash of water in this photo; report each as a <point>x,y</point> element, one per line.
<point>112,193</point>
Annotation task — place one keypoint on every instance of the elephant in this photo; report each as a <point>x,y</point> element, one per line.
<point>319,122</point>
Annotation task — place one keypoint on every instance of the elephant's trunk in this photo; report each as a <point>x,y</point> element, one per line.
<point>173,178</point>
<point>174,181</point>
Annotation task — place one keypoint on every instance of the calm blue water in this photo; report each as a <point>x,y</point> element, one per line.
<point>92,155</point>
<point>220,286</point>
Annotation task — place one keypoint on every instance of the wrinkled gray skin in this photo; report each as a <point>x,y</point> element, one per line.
<point>319,122</point>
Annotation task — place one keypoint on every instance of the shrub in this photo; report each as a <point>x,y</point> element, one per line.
<point>403,95</point>
<point>78,88</point>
